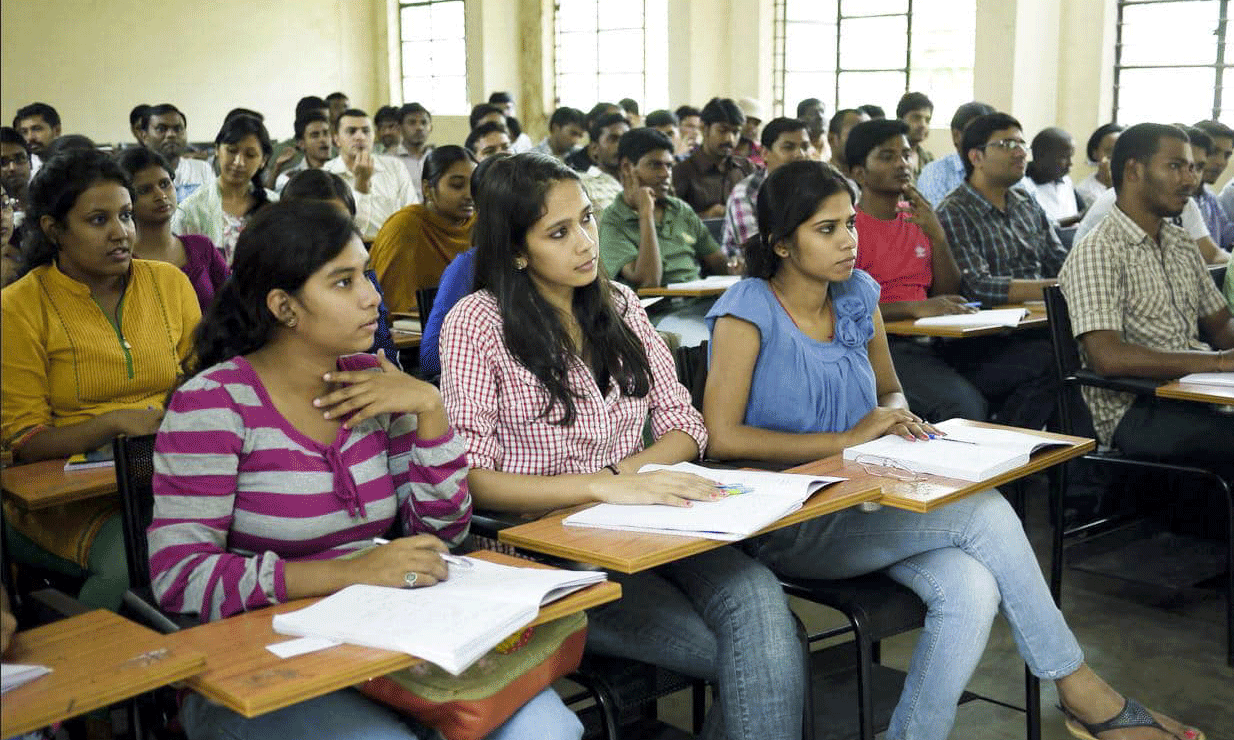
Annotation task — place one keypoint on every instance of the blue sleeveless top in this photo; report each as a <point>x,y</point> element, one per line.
<point>802,385</point>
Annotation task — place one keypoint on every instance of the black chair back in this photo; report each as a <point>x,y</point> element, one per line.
<point>1218,274</point>
<point>692,371</point>
<point>424,302</point>
<point>134,479</point>
<point>716,227</point>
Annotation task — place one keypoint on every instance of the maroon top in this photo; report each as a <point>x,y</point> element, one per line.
<point>205,267</point>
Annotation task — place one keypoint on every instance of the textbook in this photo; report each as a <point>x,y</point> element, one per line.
<point>754,499</point>
<point>1222,379</point>
<point>978,319</point>
<point>100,458</point>
<point>965,452</point>
<point>451,624</point>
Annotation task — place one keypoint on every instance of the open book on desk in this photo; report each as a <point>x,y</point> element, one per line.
<point>451,624</point>
<point>1221,379</point>
<point>966,452</point>
<point>755,499</point>
<point>977,319</point>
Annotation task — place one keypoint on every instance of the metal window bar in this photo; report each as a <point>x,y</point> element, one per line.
<point>1218,66</point>
<point>402,63</point>
<point>557,61</point>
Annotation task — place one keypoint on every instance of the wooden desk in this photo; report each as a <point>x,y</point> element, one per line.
<point>1218,394</point>
<point>45,484</point>
<point>405,339</point>
<point>243,676</point>
<point>669,291</point>
<point>936,491</point>
<point>1036,318</point>
<point>97,659</point>
<point>632,552</point>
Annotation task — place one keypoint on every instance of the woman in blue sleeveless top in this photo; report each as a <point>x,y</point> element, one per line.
<point>800,370</point>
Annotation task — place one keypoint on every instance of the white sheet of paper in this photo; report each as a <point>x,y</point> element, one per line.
<point>995,317</point>
<point>300,646</point>
<point>1222,379</point>
<point>13,675</point>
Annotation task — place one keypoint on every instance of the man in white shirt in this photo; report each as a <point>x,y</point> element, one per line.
<point>312,141</point>
<point>415,124</point>
<point>566,129</point>
<point>381,185</point>
<point>166,133</point>
<point>1190,220</point>
<point>1048,176</point>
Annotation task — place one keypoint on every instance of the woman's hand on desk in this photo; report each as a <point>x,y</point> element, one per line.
<point>134,422</point>
<point>389,564</point>
<point>884,420</point>
<point>386,390</point>
<point>659,487</point>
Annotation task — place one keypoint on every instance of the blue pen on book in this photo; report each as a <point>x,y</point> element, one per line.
<point>450,559</point>
<point>973,304</point>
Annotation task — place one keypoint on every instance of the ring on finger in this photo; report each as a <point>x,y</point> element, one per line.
<point>410,578</point>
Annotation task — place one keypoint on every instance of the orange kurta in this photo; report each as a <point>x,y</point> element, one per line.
<point>412,250</point>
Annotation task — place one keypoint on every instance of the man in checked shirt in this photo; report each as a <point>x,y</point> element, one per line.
<point>784,140</point>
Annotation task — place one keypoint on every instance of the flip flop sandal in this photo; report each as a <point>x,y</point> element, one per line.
<point>1133,714</point>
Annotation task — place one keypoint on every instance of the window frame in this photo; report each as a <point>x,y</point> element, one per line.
<point>433,105</point>
<point>557,74</point>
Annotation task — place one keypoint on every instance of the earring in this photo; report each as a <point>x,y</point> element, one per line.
<point>520,263</point>
<point>291,323</point>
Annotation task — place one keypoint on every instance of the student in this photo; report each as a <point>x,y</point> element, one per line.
<point>904,249</point>
<point>389,130</point>
<point>1219,140</point>
<point>15,170</point>
<point>799,371</point>
<point>602,179</point>
<point>287,156</point>
<point>1098,149</point>
<point>487,139</point>
<point>813,113</point>
<point>917,110</point>
<point>312,132</point>
<point>381,185</point>
<point>318,185</point>
<point>164,132</point>
<point>705,178</point>
<point>137,122</point>
<point>416,243</point>
<point>630,108</point>
<point>748,143</point>
<point>555,418</point>
<point>504,102</point>
<point>39,125</point>
<point>1048,178</point>
<point>784,140</point>
<point>874,112</point>
<point>486,113</point>
<point>690,120</point>
<point>220,210</point>
<point>941,176</point>
<point>837,136</point>
<point>580,159</point>
<point>338,102</point>
<point>417,126</point>
<point>152,185</point>
<point>244,518</point>
<point>1138,293</point>
<point>566,128</point>
<point>92,342</point>
<point>665,121</point>
<point>10,249</point>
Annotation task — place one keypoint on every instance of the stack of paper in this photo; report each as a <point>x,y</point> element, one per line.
<point>966,452</point>
<point>451,624</point>
<point>755,500</point>
<point>1222,379</point>
<point>712,281</point>
<point>13,675</point>
<point>978,319</point>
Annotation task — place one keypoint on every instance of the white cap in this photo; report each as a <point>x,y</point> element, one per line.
<point>751,108</point>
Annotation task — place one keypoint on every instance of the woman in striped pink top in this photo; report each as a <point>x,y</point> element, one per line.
<point>285,451</point>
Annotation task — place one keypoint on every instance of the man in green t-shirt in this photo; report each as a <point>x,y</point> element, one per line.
<point>648,237</point>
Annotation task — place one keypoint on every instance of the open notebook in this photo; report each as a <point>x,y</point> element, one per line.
<point>993,317</point>
<point>966,452</point>
<point>755,499</point>
<point>451,624</point>
<point>1221,379</point>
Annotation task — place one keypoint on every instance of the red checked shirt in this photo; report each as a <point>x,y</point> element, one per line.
<point>495,403</point>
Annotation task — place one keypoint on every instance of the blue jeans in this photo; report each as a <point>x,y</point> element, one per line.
<point>348,715</point>
<point>718,616</point>
<point>967,561</point>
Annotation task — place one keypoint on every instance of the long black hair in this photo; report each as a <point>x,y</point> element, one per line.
<point>318,185</point>
<point>235,128</point>
<point>441,159</point>
<point>55,190</point>
<point>788,197</point>
<point>280,248</point>
<point>510,201</point>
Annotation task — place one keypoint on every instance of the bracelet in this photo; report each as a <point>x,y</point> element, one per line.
<point>613,469</point>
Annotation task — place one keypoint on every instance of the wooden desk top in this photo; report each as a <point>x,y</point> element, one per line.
<point>936,491</point>
<point>908,327</point>
<point>405,339</point>
<point>44,484</point>
<point>97,659</point>
<point>243,676</point>
<point>632,552</point>
<point>1178,390</point>
<point>669,291</point>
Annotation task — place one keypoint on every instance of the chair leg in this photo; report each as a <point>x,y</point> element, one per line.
<point>865,681</point>
<point>807,704</point>
<point>603,701</point>
<point>1032,705</point>
<point>1058,487</point>
<point>698,708</point>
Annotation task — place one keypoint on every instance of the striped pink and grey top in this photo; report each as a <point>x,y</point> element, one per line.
<point>238,491</point>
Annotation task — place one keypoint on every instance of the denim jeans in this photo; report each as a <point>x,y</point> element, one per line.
<point>348,715</point>
<point>967,561</point>
<point>718,616</point>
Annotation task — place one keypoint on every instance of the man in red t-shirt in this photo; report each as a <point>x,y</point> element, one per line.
<point>901,244</point>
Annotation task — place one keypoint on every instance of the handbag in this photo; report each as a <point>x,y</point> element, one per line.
<point>477,701</point>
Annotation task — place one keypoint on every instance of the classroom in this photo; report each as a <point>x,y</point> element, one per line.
<point>646,329</point>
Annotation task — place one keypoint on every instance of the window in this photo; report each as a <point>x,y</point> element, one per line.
<point>434,55</point>
<point>1170,59</point>
<point>852,52</point>
<point>606,50</point>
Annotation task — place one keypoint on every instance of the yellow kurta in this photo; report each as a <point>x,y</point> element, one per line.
<point>412,250</point>
<point>64,363</point>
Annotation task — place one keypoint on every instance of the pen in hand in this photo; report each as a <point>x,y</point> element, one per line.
<point>447,557</point>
